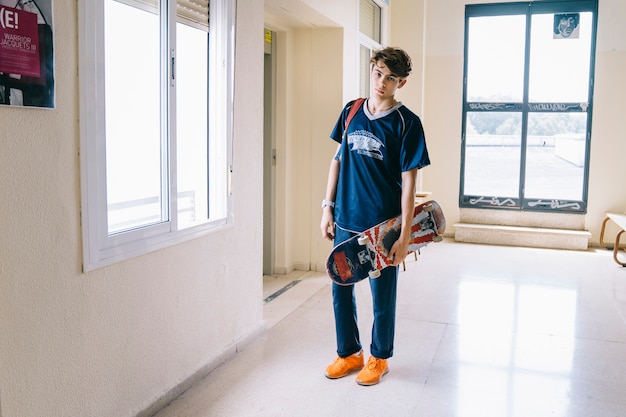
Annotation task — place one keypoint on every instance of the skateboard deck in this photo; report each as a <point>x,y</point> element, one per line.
<point>367,253</point>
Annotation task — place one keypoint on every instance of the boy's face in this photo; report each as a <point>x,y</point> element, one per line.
<point>382,82</point>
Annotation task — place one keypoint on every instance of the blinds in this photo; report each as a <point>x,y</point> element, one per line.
<point>369,19</point>
<point>191,12</point>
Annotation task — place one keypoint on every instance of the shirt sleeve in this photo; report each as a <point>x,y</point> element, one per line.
<point>337,132</point>
<point>414,153</point>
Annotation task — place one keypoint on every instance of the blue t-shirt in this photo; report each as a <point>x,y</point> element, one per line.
<point>377,149</point>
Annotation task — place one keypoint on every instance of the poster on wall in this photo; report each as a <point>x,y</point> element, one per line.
<point>566,26</point>
<point>26,53</point>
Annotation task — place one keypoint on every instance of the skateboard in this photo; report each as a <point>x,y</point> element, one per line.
<point>367,253</point>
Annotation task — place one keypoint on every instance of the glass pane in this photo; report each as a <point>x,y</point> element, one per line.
<point>492,154</point>
<point>559,65</point>
<point>133,140</point>
<point>555,155</point>
<point>495,58</point>
<point>192,43</point>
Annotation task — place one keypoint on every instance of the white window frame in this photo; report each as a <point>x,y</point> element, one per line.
<point>99,247</point>
<point>369,43</point>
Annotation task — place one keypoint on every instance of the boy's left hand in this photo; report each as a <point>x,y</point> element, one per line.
<point>399,251</point>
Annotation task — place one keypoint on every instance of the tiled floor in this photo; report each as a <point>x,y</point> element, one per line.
<point>482,331</point>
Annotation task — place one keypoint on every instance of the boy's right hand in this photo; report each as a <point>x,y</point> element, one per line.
<point>327,225</point>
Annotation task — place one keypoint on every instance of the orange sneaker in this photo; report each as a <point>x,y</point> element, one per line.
<point>373,371</point>
<point>343,366</point>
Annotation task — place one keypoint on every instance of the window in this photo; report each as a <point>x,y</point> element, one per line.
<point>370,19</point>
<point>527,105</point>
<point>514,359</point>
<point>370,38</point>
<point>156,123</point>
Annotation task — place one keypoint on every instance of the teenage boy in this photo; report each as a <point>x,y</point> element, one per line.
<point>371,179</point>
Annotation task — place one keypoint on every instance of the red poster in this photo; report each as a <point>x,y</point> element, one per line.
<point>19,42</point>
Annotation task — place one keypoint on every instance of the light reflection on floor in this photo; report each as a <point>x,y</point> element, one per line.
<point>518,341</point>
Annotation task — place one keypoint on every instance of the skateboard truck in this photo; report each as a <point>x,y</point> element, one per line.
<point>363,241</point>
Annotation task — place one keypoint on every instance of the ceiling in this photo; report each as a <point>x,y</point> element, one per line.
<point>295,14</point>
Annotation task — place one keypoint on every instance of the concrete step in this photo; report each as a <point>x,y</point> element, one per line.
<point>533,237</point>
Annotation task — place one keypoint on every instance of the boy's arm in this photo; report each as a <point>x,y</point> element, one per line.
<point>327,224</point>
<point>400,248</point>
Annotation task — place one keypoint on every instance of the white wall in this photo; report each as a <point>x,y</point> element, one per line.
<point>407,32</point>
<point>608,143</point>
<point>113,341</point>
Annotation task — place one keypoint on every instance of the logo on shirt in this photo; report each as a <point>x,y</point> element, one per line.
<point>364,143</point>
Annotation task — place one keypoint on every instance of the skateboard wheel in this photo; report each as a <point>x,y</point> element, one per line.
<point>428,207</point>
<point>374,273</point>
<point>438,238</point>
<point>364,240</point>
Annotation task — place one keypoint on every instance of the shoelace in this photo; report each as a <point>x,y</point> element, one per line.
<point>374,363</point>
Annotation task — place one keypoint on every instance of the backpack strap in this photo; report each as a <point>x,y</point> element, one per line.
<point>358,103</point>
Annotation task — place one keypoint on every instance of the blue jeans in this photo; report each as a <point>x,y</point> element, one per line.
<point>384,303</point>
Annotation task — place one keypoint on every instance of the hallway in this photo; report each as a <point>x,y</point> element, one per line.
<point>482,331</point>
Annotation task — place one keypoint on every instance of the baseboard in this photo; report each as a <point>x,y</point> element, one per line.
<point>228,353</point>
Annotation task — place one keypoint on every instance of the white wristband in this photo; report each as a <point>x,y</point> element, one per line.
<point>328,203</point>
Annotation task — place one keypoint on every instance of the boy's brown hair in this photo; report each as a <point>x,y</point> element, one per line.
<point>398,61</point>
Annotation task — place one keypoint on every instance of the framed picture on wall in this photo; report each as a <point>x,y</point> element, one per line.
<point>26,53</point>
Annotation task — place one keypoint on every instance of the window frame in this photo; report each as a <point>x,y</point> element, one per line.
<point>99,247</point>
<point>521,202</point>
<point>370,44</point>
